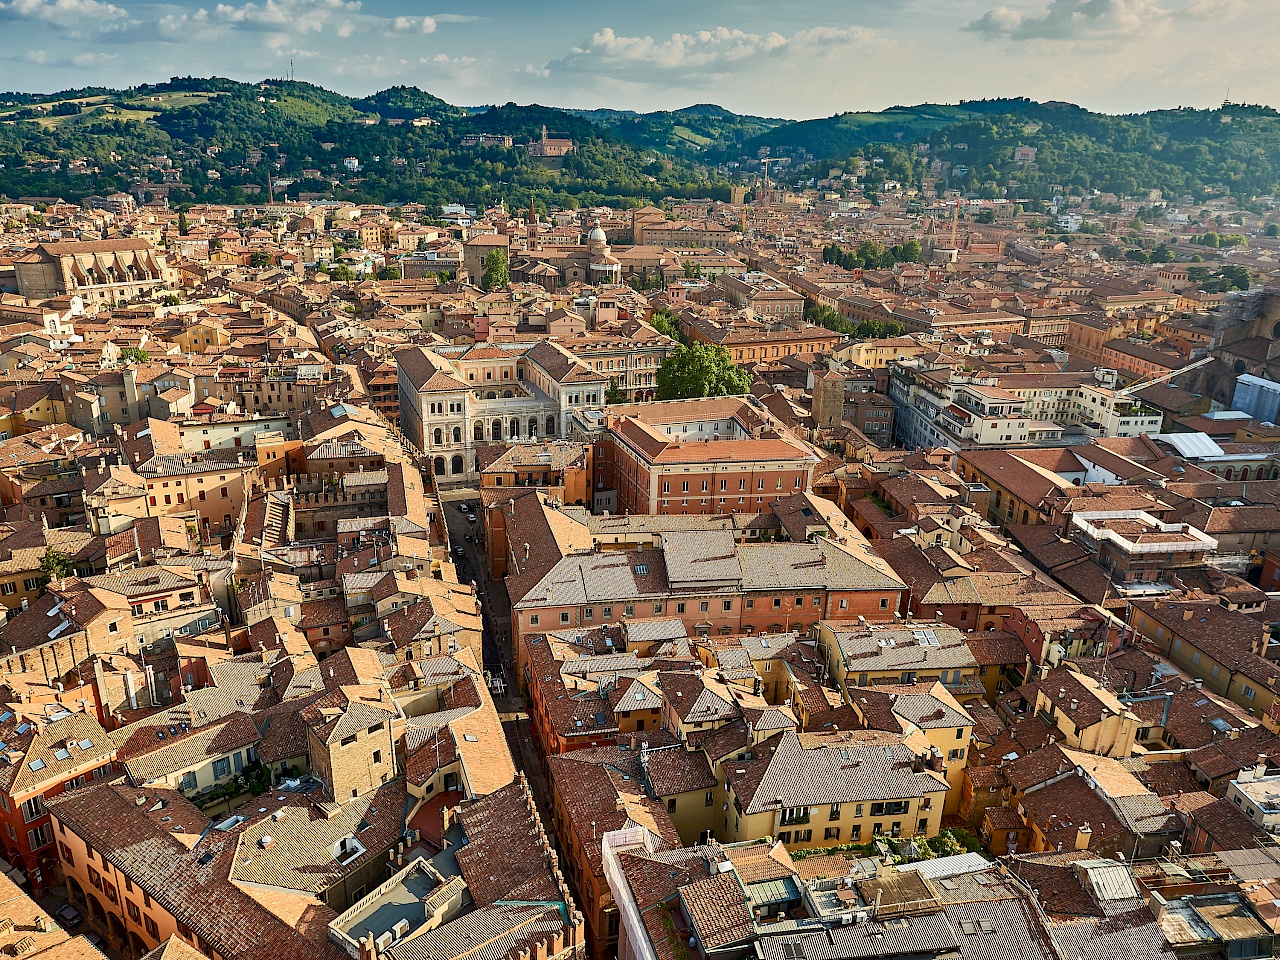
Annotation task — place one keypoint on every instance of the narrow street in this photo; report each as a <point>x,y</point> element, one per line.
<point>473,565</point>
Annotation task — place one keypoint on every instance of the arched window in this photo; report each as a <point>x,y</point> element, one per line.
<point>497,430</point>
<point>1026,517</point>
<point>491,395</point>
<point>533,427</point>
<point>439,466</point>
<point>551,426</point>
<point>478,431</point>
<point>456,466</point>
<point>1230,474</point>
<point>1244,474</point>
<point>515,428</point>
<point>438,436</point>
<point>506,394</point>
<point>457,434</point>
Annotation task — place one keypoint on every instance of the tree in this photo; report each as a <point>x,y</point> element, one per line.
<point>665,323</point>
<point>55,566</point>
<point>613,394</point>
<point>1161,254</point>
<point>986,216</point>
<point>183,227</point>
<point>389,273</point>
<point>700,370</point>
<point>135,354</point>
<point>260,259</point>
<point>340,271</point>
<point>496,275</point>
<point>1273,229</point>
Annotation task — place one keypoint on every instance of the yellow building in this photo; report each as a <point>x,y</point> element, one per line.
<point>829,788</point>
<point>928,710</point>
<point>870,654</point>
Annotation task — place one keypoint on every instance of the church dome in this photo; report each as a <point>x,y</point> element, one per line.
<point>597,235</point>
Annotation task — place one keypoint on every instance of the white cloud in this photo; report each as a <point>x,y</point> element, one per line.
<point>297,16</point>
<point>414,25</point>
<point>1213,9</point>
<point>702,52</point>
<point>70,14</point>
<point>1074,20</point>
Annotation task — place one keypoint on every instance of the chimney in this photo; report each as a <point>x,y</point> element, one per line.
<point>1187,614</point>
<point>1083,835</point>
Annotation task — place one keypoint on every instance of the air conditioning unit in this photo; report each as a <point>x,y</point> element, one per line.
<point>385,940</point>
<point>401,929</point>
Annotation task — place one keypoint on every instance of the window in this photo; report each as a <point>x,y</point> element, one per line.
<point>709,799</point>
<point>804,836</point>
<point>629,610</point>
<point>784,836</point>
<point>704,606</point>
<point>589,613</point>
<point>32,809</point>
<point>855,832</point>
<point>835,812</point>
<point>884,603</point>
<point>221,768</point>
<point>607,613</point>
<point>224,493</point>
<point>533,620</point>
<point>680,607</point>
<point>152,930</point>
<point>890,807</point>
<point>188,781</point>
<point>751,603</point>
<point>41,836</point>
<point>728,606</point>
<point>657,609</point>
<point>956,754</point>
<point>671,805</point>
<point>8,589</point>
<point>831,833</point>
<point>377,756</point>
<point>795,815</point>
<point>109,890</point>
<point>777,603</point>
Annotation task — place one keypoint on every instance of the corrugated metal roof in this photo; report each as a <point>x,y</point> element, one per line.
<point>1192,445</point>
<point>948,866</point>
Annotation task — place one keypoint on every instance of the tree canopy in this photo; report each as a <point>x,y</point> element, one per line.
<point>700,370</point>
<point>496,274</point>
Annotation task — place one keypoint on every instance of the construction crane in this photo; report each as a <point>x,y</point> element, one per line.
<point>1152,381</point>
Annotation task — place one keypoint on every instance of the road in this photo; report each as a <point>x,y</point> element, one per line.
<point>473,565</point>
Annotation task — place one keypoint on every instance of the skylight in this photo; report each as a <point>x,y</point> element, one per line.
<point>61,754</point>
<point>36,764</point>
<point>85,744</point>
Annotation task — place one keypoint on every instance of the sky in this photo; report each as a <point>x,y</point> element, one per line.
<point>784,58</point>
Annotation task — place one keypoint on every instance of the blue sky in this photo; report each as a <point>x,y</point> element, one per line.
<point>788,58</point>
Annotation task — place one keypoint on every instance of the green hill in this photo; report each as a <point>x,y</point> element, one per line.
<point>700,129</point>
<point>222,138</point>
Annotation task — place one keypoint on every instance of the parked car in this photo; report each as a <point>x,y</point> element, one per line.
<point>471,518</point>
<point>467,537</point>
<point>69,916</point>
<point>459,552</point>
